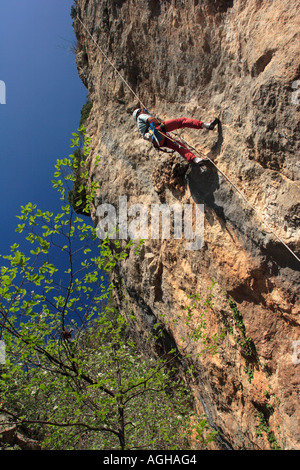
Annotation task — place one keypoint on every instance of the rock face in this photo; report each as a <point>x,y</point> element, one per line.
<point>9,436</point>
<point>238,60</point>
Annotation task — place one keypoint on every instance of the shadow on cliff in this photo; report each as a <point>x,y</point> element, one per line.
<point>203,181</point>
<point>218,197</point>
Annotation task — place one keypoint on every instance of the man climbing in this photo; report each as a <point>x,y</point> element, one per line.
<point>156,131</point>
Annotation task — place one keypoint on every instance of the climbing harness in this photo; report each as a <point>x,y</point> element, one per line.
<point>154,131</point>
<point>197,151</point>
<point>156,145</point>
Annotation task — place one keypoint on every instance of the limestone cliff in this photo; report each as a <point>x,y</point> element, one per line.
<point>238,60</point>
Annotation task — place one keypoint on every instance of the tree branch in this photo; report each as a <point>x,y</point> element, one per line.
<point>55,423</point>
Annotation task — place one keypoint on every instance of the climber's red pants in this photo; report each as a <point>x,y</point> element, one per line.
<point>172,125</point>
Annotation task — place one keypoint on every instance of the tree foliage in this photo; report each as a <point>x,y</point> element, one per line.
<point>73,378</point>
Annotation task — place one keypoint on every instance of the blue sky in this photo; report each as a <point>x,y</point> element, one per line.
<point>44,96</point>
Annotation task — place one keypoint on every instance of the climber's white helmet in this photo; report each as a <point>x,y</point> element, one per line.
<point>135,114</point>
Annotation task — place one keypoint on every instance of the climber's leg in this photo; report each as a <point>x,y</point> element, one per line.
<point>173,124</point>
<point>180,148</point>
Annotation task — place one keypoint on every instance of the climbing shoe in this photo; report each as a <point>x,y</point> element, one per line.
<point>199,161</point>
<point>210,125</point>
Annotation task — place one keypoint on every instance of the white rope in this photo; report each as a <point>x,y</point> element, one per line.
<point>110,62</point>
<point>201,154</point>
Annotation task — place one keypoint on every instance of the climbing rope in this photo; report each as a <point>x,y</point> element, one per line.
<point>203,155</point>
<point>197,151</point>
<point>109,61</point>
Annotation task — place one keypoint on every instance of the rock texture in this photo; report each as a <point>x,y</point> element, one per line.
<point>238,60</point>
<point>11,438</point>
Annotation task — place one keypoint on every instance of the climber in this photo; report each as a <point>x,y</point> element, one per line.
<point>155,131</point>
